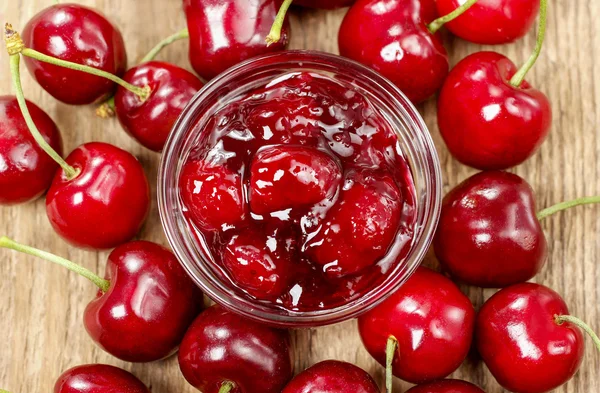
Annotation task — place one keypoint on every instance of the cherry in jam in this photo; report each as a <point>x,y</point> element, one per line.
<point>300,192</point>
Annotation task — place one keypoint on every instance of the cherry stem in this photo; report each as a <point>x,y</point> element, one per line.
<point>518,78</point>
<point>106,109</point>
<point>3,391</point>
<point>567,205</point>
<point>11,244</point>
<point>226,387</point>
<point>390,350</point>
<point>437,24</point>
<point>560,319</point>
<point>275,33</point>
<point>164,43</point>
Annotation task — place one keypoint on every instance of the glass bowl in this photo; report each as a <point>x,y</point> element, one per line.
<point>415,141</point>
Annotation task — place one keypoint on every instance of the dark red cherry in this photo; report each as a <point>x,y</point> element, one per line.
<point>332,376</point>
<point>446,386</point>
<point>432,323</point>
<point>488,234</point>
<point>171,89</point>
<point>224,33</point>
<point>289,177</point>
<point>360,228</point>
<point>98,378</point>
<point>212,195</point>
<point>491,21</point>
<point>324,4</point>
<point>486,122</point>
<point>392,37</point>
<point>526,340</point>
<point>224,350</point>
<point>26,171</point>
<point>105,204</point>
<point>80,35</point>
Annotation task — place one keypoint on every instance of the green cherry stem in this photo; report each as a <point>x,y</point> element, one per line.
<point>567,205</point>
<point>13,245</point>
<point>226,387</point>
<point>275,33</point>
<point>3,391</point>
<point>390,351</point>
<point>437,24</point>
<point>560,319</point>
<point>180,35</point>
<point>518,78</point>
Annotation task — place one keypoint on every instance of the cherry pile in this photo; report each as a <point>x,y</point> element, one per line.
<point>297,210</point>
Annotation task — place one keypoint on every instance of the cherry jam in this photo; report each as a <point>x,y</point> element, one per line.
<point>300,192</point>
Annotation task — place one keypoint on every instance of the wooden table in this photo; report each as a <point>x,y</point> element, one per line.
<point>41,305</point>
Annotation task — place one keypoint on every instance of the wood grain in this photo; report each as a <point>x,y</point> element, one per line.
<point>41,305</point>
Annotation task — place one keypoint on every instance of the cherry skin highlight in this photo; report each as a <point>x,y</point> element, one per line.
<point>486,122</point>
<point>150,122</point>
<point>426,301</point>
<point>488,234</point>
<point>332,376</point>
<point>254,357</point>
<point>26,171</point>
<point>106,204</point>
<point>98,378</point>
<point>446,386</point>
<point>99,44</point>
<point>491,21</point>
<point>224,33</point>
<point>393,38</point>
<point>552,352</point>
<point>149,306</point>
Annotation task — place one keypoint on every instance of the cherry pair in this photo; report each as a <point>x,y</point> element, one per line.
<point>144,305</point>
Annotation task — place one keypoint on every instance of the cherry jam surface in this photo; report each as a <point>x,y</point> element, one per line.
<point>300,193</point>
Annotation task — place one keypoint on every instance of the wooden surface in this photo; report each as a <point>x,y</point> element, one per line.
<point>41,305</point>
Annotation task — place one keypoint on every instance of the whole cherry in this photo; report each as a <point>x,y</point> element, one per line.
<point>324,4</point>
<point>332,376</point>
<point>224,33</point>
<point>144,305</point>
<point>26,171</point>
<point>446,386</point>
<point>491,21</point>
<point>223,352</point>
<point>97,43</point>
<point>528,340</point>
<point>409,330</point>
<point>98,378</point>
<point>488,115</point>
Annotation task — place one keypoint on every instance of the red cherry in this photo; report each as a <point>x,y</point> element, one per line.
<point>487,122</point>
<point>360,228</point>
<point>223,352</point>
<point>285,177</point>
<point>223,33</point>
<point>324,4</point>
<point>212,195</point>
<point>488,234</point>
<point>80,35</point>
<point>332,376</point>
<point>492,21</point>
<point>98,378</point>
<point>150,121</point>
<point>428,316</point>
<point>527,339</point>
<point>105,204</point>
<point>392,37</point>
<point>26,171</point>
<point>446,386</point>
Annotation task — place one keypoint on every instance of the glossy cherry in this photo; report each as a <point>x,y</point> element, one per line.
<point>98,378</point>
<point>332,376</point>
<point>223,352</point>
<point>324,4</point>
<point>224,33</point>
<point>446,386</point>
<point>144,305</point>
<point>105,204</point>
<point>150,121</point>
<point>528,340</point>
<point>426,317</point>
<point>26,171</point>
<point>80,35</point>
<point>492,21</point>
